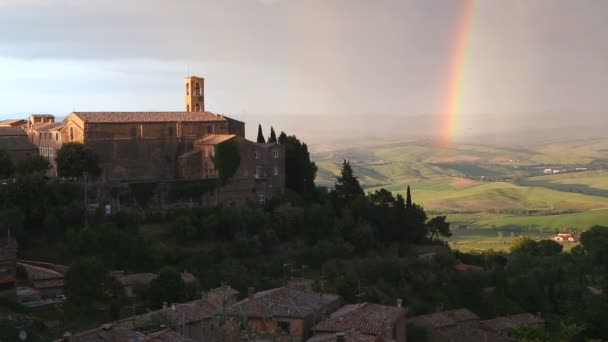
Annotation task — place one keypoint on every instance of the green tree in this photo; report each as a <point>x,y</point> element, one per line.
<point>85,282</point>
<point>261,138</point>
<point>226,159</point>
<point>273,137</point>
<point>167,287</point>
<point>300,172</point>
<point>33,164</point>
<point>438,226</point>
<point>549,248</point>
<point>347,186</point>
<point>594,241</point>
<point>408,198</point>
<point>74,159</point>
<point>525,246</point>
<point>7,168</point>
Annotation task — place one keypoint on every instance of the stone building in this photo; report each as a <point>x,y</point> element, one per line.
<point>16,143</point>
<point>281,314</point>
<point>165,147</point>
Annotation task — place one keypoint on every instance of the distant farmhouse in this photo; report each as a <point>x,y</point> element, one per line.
<point>140,147</point>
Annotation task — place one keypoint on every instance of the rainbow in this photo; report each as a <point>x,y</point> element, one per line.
<point>456,70</point>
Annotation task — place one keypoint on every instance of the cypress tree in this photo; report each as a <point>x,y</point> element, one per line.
<point>347,186</point>
<point>408,200</point>
<point>261,138</point>
<point>273,137</point>
<point>282,138</point>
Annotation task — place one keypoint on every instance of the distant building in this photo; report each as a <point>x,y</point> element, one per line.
<point>447,326</point>
<point>136,147</point>
<point>462,267</point>
<point>131,281</point>
<point>368,319</point>
<point>16,143</point>
<point>13,123</point>
<point>8,267</point>
<point>46,280</point>
<point>565,237</point>
<point>284,313</point>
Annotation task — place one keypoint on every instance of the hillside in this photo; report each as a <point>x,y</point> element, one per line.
<point>488,187</point>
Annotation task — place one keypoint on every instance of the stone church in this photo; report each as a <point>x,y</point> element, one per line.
<point>166,147</point>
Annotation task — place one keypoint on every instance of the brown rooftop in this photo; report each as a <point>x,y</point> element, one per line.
<point>283,302</point>
<point>366,318</point>
<point>48,126</point>
<point>112,117</point>
<point>113,333</point>
<point>214,139</point>
<point>349,336</point>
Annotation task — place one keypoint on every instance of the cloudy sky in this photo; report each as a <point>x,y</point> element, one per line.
<point>281,57</point>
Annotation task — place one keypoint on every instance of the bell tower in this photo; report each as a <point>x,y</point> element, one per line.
<point>194,89</point>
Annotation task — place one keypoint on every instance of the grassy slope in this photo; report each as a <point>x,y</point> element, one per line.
<point>435,177</point>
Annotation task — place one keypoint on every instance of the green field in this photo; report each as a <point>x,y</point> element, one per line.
<point>474,240</point>
<point>485,187</point>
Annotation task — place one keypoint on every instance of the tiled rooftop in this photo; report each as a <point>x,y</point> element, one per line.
<point>282,302</point>
<point>110,117</point>
<point>349,336</point>
<point>113,333</point>
<point>506,322</point>
<point>367,318</point>
<point>214,139</point>
<point>48,126</point>
<point>192,312</point>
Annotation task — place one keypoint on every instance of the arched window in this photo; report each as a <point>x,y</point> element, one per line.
<point>187,108</point>
<point>187,88</point>
<point>197,89</point>
<point>71,133</point>
<point>197,108</point>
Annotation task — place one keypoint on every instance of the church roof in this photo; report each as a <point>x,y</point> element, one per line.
<point>214,139</point>
<point>112,117</point>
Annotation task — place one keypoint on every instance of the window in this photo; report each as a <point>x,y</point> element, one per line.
<point>50,151</point>
<point>284,328</point>
<point>71,133</point>
<point>57,136</point>
<point>256,155</point>
<point>275,171</point>
<point>197,108</point>
<point>259,172</point>
<point>133,132</point>
<point>197,89</point>
<point>41,150</point>
<point>261,197</point>
<point>187,88</point>
<point>275,154</point>
<point>46,151</point>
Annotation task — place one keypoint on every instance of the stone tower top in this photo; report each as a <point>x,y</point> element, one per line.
<point>195,94</point>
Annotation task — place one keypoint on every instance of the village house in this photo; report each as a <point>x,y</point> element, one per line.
<point>131,281</point>
<point>449,326</point>
<point>283,314</point>
<point>565,237</point>
<point>45,279</point>
<point>221,297</point>
<point>111,333</point>
<point>372,320</point>
<point>15,142</point>
<point>197,320</point>
<point>8,267</point>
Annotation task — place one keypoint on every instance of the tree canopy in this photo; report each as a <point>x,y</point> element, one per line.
<point>300,172</point>
<point>273,137</point>
<point>7,167</point>
<point>347,186</point>
<point>33,164</point>
<point>261,138</point>
<point>74,159</point>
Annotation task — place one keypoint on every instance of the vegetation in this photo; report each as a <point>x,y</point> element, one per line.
<point>272,139</point>
<point>7,168</point>
<point>226,159</point>
<point>74,159</point>
<point>33,164</point>
<point>261,138</point>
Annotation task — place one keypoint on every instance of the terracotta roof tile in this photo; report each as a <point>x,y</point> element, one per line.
<point>110,117</point>
<point>367,318</point>
<point>349,336</point>
<point>48,126</point>
<point>36,273</point>
<point>283,302</point>
<point>214,139</point>
<point>506,322</point>
<point>113,333</point>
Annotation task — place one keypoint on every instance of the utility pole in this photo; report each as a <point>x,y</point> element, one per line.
<point>86,206</point>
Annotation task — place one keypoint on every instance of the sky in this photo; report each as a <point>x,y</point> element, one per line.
<point>276,58</point>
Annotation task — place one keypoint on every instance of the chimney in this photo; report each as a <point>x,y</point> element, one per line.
<point>250,293</point>
<point>340,337</point>
<point>399,302</point>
